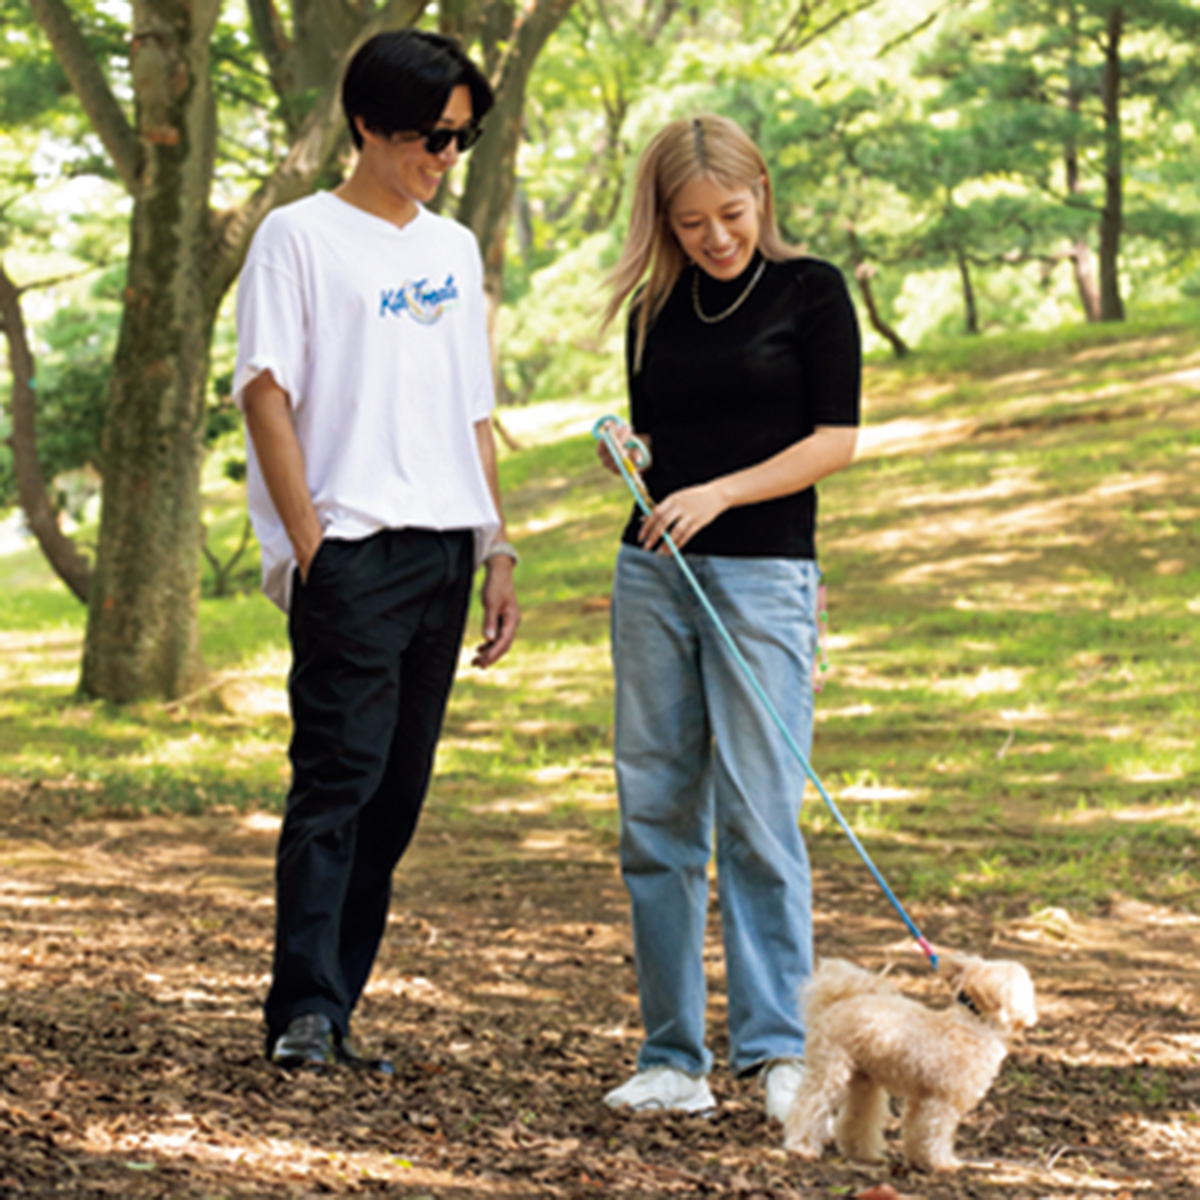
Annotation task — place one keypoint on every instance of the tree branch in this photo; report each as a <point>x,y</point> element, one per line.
<point>338,15</point>
<point>87,81</point>
<point>53,280</point>
<point>71,567</point>
<point>488,192</point>
<point>221,572</point>
<point>907,35</point>
<point>272,40</point>
<point>803,28</point>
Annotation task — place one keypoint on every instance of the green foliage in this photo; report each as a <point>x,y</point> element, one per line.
<point>74,350</point>
<point>61,230</point>
<point>253,120</point>
<point>31,81</point>
<point>553,345</point>
<point>1021,83</point>
<point>941,145</point>
<point>33,87</point>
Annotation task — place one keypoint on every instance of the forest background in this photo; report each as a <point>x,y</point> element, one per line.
<point>973,166</point>
<point>1009,716</point>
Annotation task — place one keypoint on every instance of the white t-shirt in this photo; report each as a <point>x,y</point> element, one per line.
<point>378,334</point>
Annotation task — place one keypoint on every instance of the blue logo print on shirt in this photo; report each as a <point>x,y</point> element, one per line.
<point>424,303</point>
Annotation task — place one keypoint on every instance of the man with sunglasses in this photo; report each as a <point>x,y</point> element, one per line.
<point>365,377</point>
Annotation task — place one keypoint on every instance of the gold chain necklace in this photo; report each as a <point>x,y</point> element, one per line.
<point>762,266</point>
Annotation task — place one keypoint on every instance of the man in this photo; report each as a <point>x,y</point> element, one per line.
<point>364,376</point>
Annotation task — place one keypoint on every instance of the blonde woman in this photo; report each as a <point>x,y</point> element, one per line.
<point>744,371</point>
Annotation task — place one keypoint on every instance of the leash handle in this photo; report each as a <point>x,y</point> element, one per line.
<point>602,432</point>
<point>632,456</point>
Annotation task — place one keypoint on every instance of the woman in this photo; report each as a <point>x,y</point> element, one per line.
<point>744,370</point>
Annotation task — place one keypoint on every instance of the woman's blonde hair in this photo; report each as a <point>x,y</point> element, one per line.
<point>708,147</point>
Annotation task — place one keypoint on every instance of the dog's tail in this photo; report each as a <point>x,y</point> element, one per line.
<point>836,979</point>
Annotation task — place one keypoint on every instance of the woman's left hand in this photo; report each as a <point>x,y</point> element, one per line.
<point>682,514</point>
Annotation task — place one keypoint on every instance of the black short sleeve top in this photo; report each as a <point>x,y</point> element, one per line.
<point>718,397</point>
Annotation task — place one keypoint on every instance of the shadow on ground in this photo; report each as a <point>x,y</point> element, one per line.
<point>135,956</point>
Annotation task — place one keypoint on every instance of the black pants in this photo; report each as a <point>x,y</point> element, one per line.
<point>375,635</point>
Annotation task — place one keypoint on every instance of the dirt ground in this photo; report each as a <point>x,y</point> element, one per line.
<point>134,961</point>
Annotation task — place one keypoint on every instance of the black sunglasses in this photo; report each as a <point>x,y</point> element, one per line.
<point>438,139</point>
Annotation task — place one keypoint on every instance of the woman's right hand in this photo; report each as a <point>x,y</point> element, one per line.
<point>621,434</point>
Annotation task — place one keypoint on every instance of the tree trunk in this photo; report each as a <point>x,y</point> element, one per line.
<point>491,179</point>
<point>608,170</point>
<point>970,308</point>
<point>142,635</point>
<point>1083,265</point>
<point>303,63</point>
<point>61,553</point>
<point>1082,262</point>
<point>863,273</point>
<point>1111,306</point>
<point>487,200</point>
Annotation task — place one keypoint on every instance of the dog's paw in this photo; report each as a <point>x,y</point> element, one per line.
<point>862,1154</point>
<point>802,1148</point>
<point>937,1165</point>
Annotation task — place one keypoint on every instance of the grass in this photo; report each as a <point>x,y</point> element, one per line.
<point>1012,706</point>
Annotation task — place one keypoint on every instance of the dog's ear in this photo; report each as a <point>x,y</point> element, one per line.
<point>1018,1009</point>
<point>1002,991</point>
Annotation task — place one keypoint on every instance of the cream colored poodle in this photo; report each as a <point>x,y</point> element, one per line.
<point>866,1040</point>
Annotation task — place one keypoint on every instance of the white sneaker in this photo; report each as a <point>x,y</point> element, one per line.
<point>781,1079</point>
<point>664,1088</point>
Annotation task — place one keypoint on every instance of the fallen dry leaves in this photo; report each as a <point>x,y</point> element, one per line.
<point>133,965</point>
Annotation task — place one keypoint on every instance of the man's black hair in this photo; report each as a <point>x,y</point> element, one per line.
<point>401,81</point>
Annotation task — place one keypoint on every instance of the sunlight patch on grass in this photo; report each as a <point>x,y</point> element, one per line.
<point>251,697</point>
<point>552,520</point>
<point>1146,774</point>
<point>62,680</point>
<point>553,420</point>
<point>877,793</point>
<point>560,772</point>
<point>907,435</point>
<point>524,805</point>
<point>950,568</point>
<point>859,677</point>
<point>473,744</point>
<point>1181,814</point>
<point>547,842</point>
<point>987,682</point>
<point>1155,481</point>
<point>261,822</point>
<point>40,660</point>
<point>1005,485</point>
<point>846,712</point>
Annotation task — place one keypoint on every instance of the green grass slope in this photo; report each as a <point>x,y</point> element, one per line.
<point>1014,687</point>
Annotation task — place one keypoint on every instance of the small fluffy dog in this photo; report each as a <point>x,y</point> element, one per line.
<point>865,1040</point>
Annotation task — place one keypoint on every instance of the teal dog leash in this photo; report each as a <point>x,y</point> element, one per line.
<point>632,458</point>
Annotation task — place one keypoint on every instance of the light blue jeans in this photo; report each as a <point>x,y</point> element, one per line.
<point>694,748</point>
